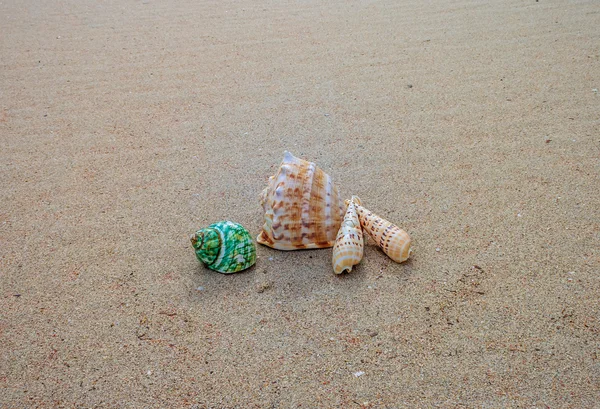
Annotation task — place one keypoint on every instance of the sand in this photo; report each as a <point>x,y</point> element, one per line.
<point>127,125</point>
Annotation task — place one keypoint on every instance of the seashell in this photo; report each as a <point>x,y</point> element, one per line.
<point>225,246</point>
<point>348,248</point>
<point>394,241</point>
<point>303,209</point>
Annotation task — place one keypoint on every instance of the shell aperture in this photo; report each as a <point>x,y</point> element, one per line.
<point>225,246</point>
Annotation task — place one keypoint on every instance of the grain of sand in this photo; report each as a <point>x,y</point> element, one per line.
<point>126,125</point>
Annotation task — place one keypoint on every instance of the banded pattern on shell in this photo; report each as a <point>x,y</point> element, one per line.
<point>302,207</point>
<point>225,246</point>
<point>394,241</point>
<point>349,244</point>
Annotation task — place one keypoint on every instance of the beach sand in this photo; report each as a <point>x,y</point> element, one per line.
<point>127,125</point>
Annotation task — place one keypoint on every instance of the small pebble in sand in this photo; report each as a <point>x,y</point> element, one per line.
<point>261,287</point>
<point>359,373</point>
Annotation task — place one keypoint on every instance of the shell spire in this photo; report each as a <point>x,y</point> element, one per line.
<point>302,207</point>
<point>394,241</point>
<point>349,244</point>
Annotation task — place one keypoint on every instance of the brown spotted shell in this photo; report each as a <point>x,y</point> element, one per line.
<point>302,207</point>
<point>394,241</point>
<point>349,244</point>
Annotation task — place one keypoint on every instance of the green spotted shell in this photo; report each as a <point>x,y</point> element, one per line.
<point>225,246</point>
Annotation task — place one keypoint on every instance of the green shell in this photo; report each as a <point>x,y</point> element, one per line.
<point>225,246</point>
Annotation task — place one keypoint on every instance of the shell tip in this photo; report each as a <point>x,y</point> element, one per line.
<point>356,200</point>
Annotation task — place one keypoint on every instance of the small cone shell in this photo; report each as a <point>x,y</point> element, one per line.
<point>303,209</point>
<point>394,241</point>
<point>348,248</point>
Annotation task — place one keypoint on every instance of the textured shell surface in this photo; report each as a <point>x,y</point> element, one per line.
<point>302,207</point>
<point>349,243</point>
<point>225,246</point>
<point>394,241</point>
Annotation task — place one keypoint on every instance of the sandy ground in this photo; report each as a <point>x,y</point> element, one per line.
<point>127,125</point>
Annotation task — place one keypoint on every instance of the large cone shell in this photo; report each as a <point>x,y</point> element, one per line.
<point>303,209</point>
<point>348,248</point>
<point>394,241</point>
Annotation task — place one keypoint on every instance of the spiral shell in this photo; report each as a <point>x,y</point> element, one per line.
<point>394,241</point>
<point>348,248</point>
<point>302,207</point>
<point>225,246</point>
